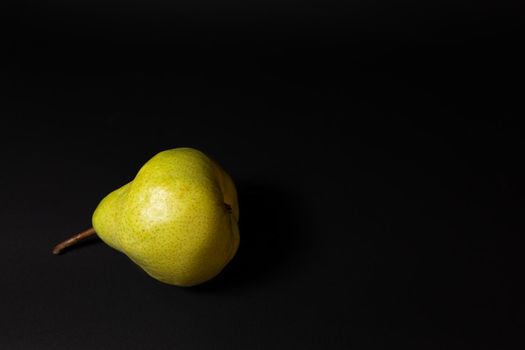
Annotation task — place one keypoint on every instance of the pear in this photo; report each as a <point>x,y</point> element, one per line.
<point>177,219</point>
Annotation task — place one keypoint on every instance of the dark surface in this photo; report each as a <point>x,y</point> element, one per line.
<point>375,147</point>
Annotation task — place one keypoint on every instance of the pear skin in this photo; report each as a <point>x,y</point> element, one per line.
<point>177,219</point>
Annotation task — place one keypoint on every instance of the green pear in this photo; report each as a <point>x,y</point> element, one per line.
<point>177,219</point>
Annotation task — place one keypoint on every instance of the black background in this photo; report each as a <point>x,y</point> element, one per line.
<point>375,146</point>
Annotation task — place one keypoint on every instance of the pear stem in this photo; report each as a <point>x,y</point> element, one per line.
<point>74,240</point>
